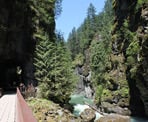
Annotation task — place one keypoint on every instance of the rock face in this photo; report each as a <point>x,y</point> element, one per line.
<point>113,108</point>
<point>84,85</point>
<point>83,71</point>
<point>115,98</point>
<point>16,43</point>
<point>130,40</point>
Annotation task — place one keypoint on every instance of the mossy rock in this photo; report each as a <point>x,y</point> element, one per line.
<point>47,111</point>
<point>123,102</point>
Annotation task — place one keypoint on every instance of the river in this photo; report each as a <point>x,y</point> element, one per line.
<point>78,101</point>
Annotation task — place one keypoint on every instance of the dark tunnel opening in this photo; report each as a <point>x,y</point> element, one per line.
<point>11,75</point>
<point>17,44</point>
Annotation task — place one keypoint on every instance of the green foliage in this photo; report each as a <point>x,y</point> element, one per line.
<point>132,40</point>
<point>98,56</point>
<point>99,92</point>
<point>91,21</point>
<point>101,47</point>
<point>58,7</point>
<point>44,90</point>
<point>61,74</point>
<point>41,57</point>
<point>53,65</point>
<point>73,43</point>
<point>100,51</point>
<point>140,3</point>
<point>133,72</point>
<point>44,11</point>
<point>79,60</point>
<point>114,2</point>
<point>133,48</point>
<point>94,35</point>
<point>128,34</point>
<point>107,95</point>
<point>59,80</point>
<point>80,39</point>
<point>124,92</point>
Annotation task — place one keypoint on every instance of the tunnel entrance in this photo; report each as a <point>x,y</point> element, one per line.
<point>10,75</point>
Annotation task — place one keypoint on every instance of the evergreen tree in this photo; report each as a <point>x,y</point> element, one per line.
<point>73,43</point>
<point>80,39</point>
<point>61,74</point>
<point>44,24</point>
<point>91,21</point>
<point>52,60</point>
<point>101,50</point>
<point>58,7</point>
<point>41,59</point>
<point>94,37</point>
<point>94,34</point>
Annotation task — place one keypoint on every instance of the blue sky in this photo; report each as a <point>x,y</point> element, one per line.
<point>74,13</point>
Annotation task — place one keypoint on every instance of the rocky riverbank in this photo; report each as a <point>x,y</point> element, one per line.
<point>47,111</point>
<point>114,98</point>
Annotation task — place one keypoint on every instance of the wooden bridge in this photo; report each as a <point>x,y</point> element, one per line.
<point>13,108</point>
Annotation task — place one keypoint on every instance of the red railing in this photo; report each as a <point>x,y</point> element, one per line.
<point>23,112</point>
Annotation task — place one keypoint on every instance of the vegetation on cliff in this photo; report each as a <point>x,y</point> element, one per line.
<point>130,30</point>
<point>93,40</point>
<point>111,46</point>
<point>53,68</point>
<point>47,111</point>
<point>114,46</point>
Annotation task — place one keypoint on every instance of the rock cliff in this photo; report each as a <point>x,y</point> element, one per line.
<point>16,43</point>
<point>130,39</point>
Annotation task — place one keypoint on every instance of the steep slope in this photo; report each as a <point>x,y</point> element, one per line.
<point>130,40</point>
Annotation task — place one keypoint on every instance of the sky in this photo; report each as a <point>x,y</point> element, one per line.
<point>73,14</point>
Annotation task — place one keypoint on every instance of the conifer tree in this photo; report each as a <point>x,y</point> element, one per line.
<point>94,35</point>
<point>61,74</point>
<point>52,60</point>
<point>44,24</point>
<point>80,39</point>
<point>73,43</point>
<point>101,50</point>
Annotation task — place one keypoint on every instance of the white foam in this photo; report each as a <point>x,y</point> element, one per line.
<point>80,108</point>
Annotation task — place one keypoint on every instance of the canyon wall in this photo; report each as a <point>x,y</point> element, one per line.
<point>130,39</point>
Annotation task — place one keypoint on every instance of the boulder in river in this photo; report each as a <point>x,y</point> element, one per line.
<point>113,108</point>
<point>88,115</point>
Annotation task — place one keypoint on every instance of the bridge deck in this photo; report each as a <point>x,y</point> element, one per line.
<point>7,108</point>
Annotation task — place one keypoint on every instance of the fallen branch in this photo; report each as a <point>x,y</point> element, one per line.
<point>94,108</point>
